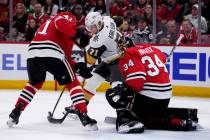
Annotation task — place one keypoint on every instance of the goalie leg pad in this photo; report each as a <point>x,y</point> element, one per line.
<point>184,113</point>
<point>182,118</point>
<point>179,119</point>
<point>127,122</point>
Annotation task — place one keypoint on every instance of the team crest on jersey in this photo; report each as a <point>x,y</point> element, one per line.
<point>96,38</point>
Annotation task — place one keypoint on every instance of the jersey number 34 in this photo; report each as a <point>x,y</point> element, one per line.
<point>154,67</point>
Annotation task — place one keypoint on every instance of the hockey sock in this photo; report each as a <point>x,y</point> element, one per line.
<point>88,95</point>
<point>77,95</point>
<point>91,85</point>
<point>27,94</point>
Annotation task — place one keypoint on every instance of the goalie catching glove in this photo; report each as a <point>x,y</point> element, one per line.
<point>120,96</point>
<point>82,69</point>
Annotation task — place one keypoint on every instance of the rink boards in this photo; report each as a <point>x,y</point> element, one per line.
<point>189,68</point>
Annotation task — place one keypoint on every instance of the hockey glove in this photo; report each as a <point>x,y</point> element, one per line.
<point>125,42</point>
<point>83,70</point>
<point>83,36</point>
<point>120,96</point>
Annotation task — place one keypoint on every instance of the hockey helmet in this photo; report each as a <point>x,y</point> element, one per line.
<point>70,17</point>
<point>93,19</point>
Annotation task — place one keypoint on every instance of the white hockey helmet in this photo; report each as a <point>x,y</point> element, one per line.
<point>93,19</point>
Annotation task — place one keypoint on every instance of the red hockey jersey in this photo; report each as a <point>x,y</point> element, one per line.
<point>143,68</point>
<point>52,39</point>
<point>189,38</point>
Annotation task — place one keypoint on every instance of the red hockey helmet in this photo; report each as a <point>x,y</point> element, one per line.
<point>70,17</point>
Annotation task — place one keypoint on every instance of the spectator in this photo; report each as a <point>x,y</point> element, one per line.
<point>2,34</point>
<point>148,13</point>
<point>205,13</point>
<point>50,7</point>
<point>31,30</point>
<point>189,32</point>
<point>170,36</point>
<point>129,13</point>
<point>205,9</point>
<point>187,6</point>
<point>169,12</point>
<point>141,4</point>
<point>143,33</point>
<point>193,17</point>
<point>15,2</point>
<point>38,15</point>
<point>100,7</point>
<point>78,11</point>
<point>15,36</point>
<point>88,6</point>
<point>30,8</point>
<point>118,8</point>
<point>71,5</point>
<point>20,19</point>
<point>4,15</point>
<point>125,29</point>
<point>132,15</point>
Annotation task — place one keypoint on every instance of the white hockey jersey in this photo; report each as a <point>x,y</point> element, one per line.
<point>104,43</point>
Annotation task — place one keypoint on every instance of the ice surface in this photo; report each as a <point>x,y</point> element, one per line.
<point>33,123</point>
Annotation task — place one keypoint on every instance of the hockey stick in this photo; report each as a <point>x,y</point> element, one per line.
<point>112,120</point>
<point>172,50</point>
<point>85,60</point>
<point>50,114</point>
<point>50,117</point>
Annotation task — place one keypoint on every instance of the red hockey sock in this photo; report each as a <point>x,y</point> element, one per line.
<point>77,95</point>
<point>27,94</point>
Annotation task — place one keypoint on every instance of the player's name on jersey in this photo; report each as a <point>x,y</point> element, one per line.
<point>145,51</point>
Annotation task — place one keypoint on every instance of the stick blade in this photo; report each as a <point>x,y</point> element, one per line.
<point>53,120</point>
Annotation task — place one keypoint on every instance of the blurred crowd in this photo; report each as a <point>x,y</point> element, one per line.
<point>172,18</point>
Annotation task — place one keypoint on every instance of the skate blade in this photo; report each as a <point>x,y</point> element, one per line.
<point>10,123</point>
<point>137,128</point>
<point>91,127</point>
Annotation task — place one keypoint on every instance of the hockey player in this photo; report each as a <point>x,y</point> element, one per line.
<point>104,45</point>
<point>50,50</point>
<point>142,100</point>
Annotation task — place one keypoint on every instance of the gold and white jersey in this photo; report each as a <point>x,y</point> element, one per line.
<point>104,43</point>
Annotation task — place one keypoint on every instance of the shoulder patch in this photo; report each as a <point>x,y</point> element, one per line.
<point>96,38</point>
